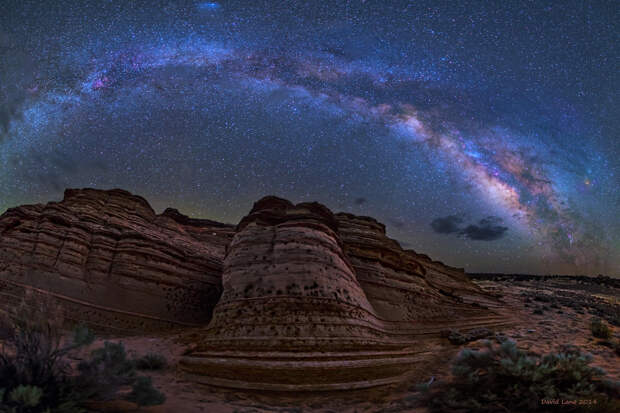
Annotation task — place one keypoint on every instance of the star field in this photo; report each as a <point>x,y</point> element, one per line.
<point>484,135</point>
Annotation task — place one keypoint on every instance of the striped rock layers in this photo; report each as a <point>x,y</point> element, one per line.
<point>317,301</point>
<point>294,298</point>
<point>403,285</point>
<point>112,262</point>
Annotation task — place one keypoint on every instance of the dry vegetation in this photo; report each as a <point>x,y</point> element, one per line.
<point>36,373</point>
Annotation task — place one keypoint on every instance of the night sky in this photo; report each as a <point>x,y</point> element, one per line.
<point>485,134</point>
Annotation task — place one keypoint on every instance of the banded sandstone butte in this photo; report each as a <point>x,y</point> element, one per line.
<point>317,301</point>
<point>310,300</point>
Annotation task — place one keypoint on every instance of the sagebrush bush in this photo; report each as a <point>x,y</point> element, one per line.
<point>26,396</point>
<point>151,361</point>
<point>599,328</point>
<point>144,394</point>
<point>35,372</point>
<point>504,378</point>
<point>33,358</point>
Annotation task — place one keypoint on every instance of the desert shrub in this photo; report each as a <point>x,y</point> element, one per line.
<point>107,369</point>
<point>25,397</point>
<point>599,328</point>
<point>35,372</point>
<point>151,361</point>
<point>144,394</point>
<point>34,369</point>
<point>458,338</point>
<point>504,378</point>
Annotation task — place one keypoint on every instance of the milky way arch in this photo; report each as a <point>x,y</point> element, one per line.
<point>518,173</point>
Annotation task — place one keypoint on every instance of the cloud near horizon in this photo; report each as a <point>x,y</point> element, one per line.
<point>487,229</point>
<point>447,225</point>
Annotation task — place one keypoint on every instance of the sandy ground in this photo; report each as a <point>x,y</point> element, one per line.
<point>565,319</point>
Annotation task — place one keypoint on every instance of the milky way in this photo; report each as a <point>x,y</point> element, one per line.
<point>486,137</point>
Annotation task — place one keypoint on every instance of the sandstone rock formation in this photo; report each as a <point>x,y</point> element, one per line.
<point>317,301</point>
<point>113,262</point>
<point>289,292</point>
<point>292,298</point>
<point>402,285</point>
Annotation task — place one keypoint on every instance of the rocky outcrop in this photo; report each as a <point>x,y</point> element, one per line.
<point>112,262</point>
<point>316,301</point>
<point>402,285</point>
<point>285,269</point>
<point>292,298</point>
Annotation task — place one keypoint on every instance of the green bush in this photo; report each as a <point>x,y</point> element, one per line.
<point>599,329</point>
<point>35,373</point>
<point>144,394</point>
<point>34,357</point>
<point>504,378</point>
<point>26,396</point>
<point>107,369</point>
<point>151,361</point>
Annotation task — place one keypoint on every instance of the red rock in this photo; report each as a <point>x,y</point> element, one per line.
<point>113,262</point>
<point>400,284</point>
<point>309,300</point>
<point>286,279</point>
<point>316,301</point>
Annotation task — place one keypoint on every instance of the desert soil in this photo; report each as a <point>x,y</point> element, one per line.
<point>567,309</point>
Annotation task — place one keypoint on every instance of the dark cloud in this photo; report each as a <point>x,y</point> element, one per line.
<point>447,225</point>
<point>488,229</point>
<point>360,201</point>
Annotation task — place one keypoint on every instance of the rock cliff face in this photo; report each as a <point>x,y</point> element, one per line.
<point>400,284</point>
<point>113,262</point>
<point>316,301</point>
<point>292,298</point>
<point>287,282</point>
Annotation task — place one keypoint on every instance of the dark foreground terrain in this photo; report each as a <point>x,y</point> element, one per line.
<point>547,314</point>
